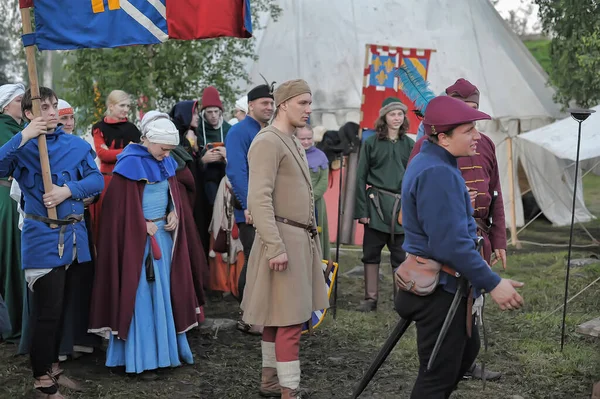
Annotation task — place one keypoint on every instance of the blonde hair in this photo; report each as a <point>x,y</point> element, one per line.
<point>307,127</point>
<point>115,97</point>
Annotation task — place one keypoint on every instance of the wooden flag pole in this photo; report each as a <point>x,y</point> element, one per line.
<point>36,103</point>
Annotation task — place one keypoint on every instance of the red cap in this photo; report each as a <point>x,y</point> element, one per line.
<point>464,90</point>
<point>211,98</point>
<point>445,113</point>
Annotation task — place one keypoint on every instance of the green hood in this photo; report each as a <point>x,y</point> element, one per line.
<point>8,128</point>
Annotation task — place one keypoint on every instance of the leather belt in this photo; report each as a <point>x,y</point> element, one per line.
<point>311,229</point>
<point>157,219</point>
<point>63,223</point>
<point>5,183</point>
<point>445,269</point>
<point>482,225</point>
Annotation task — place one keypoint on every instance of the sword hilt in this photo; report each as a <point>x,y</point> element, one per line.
<point>478,243</point>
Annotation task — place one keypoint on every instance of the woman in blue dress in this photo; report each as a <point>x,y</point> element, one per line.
<point>144,291</point>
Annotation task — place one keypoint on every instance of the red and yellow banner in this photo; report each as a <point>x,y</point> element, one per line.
<point>381,80</point>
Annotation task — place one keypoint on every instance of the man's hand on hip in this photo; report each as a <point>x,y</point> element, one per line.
<point>279,263</point>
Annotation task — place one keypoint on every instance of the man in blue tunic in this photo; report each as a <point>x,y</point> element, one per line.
<point>438,225</point>
<point>260,110</point>
<point>47,251</point>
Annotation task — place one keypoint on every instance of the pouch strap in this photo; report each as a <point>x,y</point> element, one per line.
<point>445,268</point>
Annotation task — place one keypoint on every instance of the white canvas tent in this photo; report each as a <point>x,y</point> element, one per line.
<point>548,156</point>
<point>324,42</point>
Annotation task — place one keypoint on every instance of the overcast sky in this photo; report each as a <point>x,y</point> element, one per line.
<point>504,6</point>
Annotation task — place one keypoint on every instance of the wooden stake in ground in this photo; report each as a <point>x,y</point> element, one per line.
<point>511,185</point>
<point>35,96</point>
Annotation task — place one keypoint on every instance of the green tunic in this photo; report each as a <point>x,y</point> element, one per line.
<point>320,180</point>
<point>12,281</point>
<point>381,166</point>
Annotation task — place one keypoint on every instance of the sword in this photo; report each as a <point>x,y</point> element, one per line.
<point>485,343</point>
<point>451,313</point>
<point>389,344</point>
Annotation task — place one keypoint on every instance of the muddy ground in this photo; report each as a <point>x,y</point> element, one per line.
<point>525,346</point>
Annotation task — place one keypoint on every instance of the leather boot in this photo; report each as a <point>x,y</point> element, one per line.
<point>289,379</point>
<point>269,383</point>
<point>596,391</point>
<point>287,393</point>
<point>371,288</point>
<point>476,373</point>
<point>45,384</point>
<point>63,380</point>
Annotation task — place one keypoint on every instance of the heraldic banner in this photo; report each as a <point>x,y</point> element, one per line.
<point>74,24</point>
<point>381,80</point>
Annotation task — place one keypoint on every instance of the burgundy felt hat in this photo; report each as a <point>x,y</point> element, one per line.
<point>464,90</point>
<point>211,98</point>
<point>445,113</point>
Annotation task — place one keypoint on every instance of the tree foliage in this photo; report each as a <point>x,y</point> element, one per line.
<point>574,50</point>
<point>164,73</point>
<point>5,60</point>
<point>12,57</point>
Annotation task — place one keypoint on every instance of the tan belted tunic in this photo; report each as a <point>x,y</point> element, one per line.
<point>280,185</point>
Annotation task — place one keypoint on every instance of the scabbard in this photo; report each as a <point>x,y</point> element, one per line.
<point>375,200</point>
<point>447,322</point>
<point>384,352</point>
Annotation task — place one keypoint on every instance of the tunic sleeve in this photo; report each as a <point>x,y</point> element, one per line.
<point>91,183</point>
<point>320,186</point>
<point>360,208</point>
<point>237,165</point>
<point>263,160</point>
<point>106,156</point>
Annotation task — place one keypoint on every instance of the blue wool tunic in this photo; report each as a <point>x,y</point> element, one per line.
<point>72,164</point>
<point>238,142</point>
<point>437,221</point>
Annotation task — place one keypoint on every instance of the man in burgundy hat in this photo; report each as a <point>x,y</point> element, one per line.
<point>480,172</point>
<point>439,227</point>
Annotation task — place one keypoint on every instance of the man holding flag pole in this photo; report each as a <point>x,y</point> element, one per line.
<point>47,251</point>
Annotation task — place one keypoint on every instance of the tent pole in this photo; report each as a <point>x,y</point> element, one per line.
<point>513,208</point>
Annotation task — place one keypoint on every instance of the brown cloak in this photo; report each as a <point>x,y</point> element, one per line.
<point>121,244</point>
<point>187,189</point>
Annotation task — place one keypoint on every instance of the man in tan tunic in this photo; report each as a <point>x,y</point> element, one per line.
<point>285,281</point>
